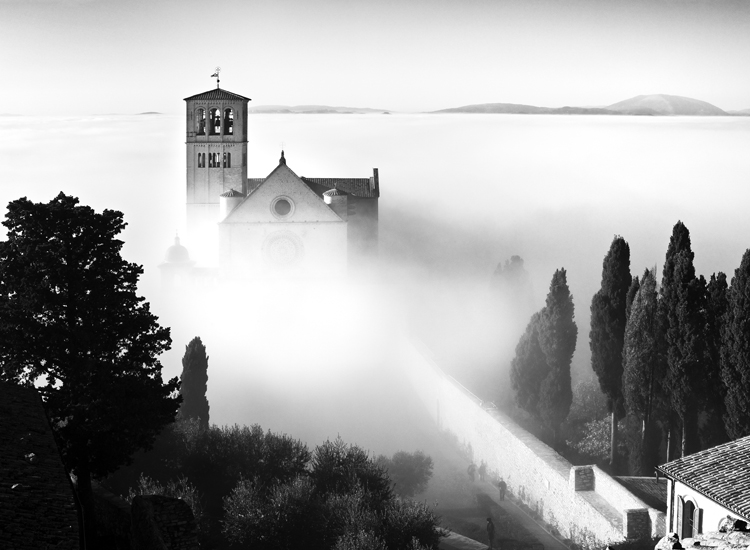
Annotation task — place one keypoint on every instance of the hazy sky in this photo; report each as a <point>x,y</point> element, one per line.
<point>104,56</point>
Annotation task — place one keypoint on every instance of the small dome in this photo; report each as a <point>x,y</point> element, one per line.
<point>177,254</point>
<point>231,194</point>
<point>334,193</point>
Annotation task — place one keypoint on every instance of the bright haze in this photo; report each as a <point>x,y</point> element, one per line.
<point>103,56</point>
<point>460,193</point>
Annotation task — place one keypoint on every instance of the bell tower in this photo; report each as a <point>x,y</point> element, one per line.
<point>216,144</point>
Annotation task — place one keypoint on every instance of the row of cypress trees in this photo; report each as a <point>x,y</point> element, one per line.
<point>672,358</point>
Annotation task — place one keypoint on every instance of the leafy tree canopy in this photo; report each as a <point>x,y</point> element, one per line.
<point>72,323</point>
<point>344,501</point>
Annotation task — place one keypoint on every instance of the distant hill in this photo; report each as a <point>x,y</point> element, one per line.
<point>642,105</point>
<point>314,109</point>
<point>662,104</point>
<point>741,112</point>
<point>520,109</point>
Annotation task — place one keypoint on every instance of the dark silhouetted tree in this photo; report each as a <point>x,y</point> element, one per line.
<point>72,323</point>
<point>712,430</point>
<point>682,311</point>
<point>643,373</point>
<point>608,312</point>
<point>193,383</point>
<point>735,352</point>
<point>557,338</point>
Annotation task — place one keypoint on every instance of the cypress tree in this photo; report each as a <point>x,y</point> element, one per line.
<point>529,368</point>
<point>643,372</point>
<point>557,339</point>
<point>632,290</point>
<point>194,381</point>
<point>711,429</point>
<point>735,352</point>
<point>608,316</point>
<point>682,314</point>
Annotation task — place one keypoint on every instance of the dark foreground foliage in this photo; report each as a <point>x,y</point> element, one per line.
<point>258,489</point>
<point>72,323</point>
<point>342,501</point>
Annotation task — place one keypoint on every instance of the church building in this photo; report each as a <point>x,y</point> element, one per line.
<point>281,224</point>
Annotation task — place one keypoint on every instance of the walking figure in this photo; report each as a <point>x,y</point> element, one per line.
<point>471,470</point>
<point>491,532</point>
<point>502,487</point>
<point>482,471</point>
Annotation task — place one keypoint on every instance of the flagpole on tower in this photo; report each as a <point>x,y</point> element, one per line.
<point>216,76</point>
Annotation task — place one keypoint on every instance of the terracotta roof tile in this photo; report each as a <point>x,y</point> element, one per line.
<point>359,187</point>
<point>722,473</point>
<point>217,94</point>
<point>37,509</point>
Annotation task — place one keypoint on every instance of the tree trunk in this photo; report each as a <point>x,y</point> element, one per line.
<point>86,497</point>
<point>613,442</point>
<point>669,442</point>
<point>684,440</point>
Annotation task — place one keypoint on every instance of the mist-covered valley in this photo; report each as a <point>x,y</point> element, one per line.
<point>460,193</point>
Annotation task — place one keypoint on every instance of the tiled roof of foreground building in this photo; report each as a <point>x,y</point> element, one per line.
<point>37,509</point>
<point>722,473</point>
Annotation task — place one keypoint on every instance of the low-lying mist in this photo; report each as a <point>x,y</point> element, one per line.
<point>460,193</point>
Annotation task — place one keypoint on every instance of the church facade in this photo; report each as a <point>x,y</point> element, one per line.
<point>282,224</point>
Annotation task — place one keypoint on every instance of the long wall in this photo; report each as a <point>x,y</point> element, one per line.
<point>584,503</point>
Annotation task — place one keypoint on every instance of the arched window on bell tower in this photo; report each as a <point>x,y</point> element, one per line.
<point>200,122</point>
<point>228,122</point>
<point>214,122</point>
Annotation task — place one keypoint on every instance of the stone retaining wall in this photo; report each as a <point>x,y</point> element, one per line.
<point>584,504</point>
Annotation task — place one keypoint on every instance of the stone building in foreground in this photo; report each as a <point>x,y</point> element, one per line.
<point>706,487</point>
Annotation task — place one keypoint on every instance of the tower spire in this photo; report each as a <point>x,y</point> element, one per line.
<point>216,76</point>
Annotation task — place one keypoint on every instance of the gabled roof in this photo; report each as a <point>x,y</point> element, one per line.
<point>721,473</point>
<point>217,94</point>
<point>37,509</point>
<point>359,187</point>
<point>283,168</point>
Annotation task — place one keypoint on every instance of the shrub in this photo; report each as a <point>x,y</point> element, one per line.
<point>409,472</point>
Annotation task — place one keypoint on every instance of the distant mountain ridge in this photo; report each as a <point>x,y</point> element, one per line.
<point>314,109</point>
<point>642,105</point>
